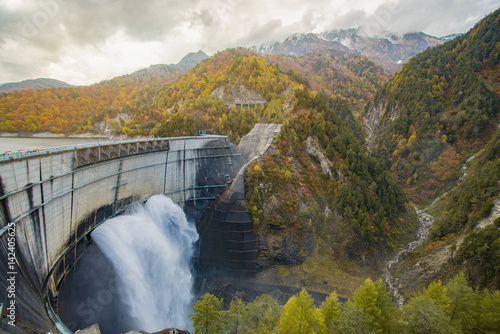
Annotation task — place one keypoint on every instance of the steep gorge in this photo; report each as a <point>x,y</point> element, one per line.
<point>437,123</point>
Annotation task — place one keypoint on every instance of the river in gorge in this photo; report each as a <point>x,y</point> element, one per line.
<point>425,223</point>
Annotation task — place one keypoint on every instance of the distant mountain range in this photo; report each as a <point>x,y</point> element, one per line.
<point>389,50</point>
<point>32,84</point>
<point>158,71</point>
<point>163,71</point>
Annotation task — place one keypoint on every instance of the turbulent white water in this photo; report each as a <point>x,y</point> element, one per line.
<point>150,251</point>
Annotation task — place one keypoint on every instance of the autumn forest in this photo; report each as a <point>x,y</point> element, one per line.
<point>426,137</point>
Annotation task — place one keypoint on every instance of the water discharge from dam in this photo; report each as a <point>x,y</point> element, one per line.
<point>150,251</point>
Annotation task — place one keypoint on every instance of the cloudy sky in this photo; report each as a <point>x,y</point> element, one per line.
<point>85,41</point>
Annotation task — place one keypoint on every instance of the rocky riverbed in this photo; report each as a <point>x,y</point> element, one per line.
<point>431,260</point>
<point>393,284</point>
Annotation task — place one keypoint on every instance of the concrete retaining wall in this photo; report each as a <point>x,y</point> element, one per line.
<point>52,201</point>
<point>228,244</point>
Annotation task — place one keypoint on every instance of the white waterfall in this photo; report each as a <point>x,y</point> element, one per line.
<point>150,251</point>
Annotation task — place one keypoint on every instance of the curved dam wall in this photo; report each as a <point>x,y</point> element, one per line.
<point>50,201</point>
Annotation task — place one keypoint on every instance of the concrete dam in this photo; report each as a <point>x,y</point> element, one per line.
<point>51,201</point>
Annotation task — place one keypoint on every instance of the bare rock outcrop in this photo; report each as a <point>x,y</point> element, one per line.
<point>376,119</point>
<point>239,95</point>
<point>314,149</point>
<point>107,126</point>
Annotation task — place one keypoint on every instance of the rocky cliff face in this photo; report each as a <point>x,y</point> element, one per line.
<point>239,95</point>
<point>282,247</point>
<point>313,149</point>
<point>106,127</point>
<point>376,119</point>
<point>371,119</point>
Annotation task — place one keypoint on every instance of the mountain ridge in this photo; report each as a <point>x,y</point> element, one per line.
<point>192,59</point>
<point>388,49</point>
<point>154,71</point>
<point>34,84</point>
<point>167,71</point>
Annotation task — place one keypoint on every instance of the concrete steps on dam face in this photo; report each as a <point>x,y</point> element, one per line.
<point>231,255</point>
<point>221,225</point>
<point>227,236</point>
<point>232,216</point>
<point>227,240</point>
<point>233,205</point>
<point>237,246</point>
<point>228,267</point>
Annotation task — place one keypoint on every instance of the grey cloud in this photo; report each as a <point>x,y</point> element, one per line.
<point>6,19</point>
<point>43,31</point>
<point>202,17</point>
<point>94,22</point>
<point>308,20</point>
<point>269,32</point>
<point>12,69</point>
<point>433,17</point>
<point>353,19</point>
<point>43,28</point>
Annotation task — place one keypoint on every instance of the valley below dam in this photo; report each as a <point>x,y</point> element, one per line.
<point>393,284</point>
<point>425,223</point>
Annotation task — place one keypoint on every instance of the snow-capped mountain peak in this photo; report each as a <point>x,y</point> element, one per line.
<point>385,48</point>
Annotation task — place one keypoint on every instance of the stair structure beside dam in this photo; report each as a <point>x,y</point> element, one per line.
<point>227,243</point>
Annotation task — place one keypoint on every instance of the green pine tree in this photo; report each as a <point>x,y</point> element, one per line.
<point>208,317</point>
<point>263,315</point>
<point>464,304</point>
<point>330,309</point>
<point>235,317</point>
<point>299,315</point>
<point>423,316</point>
<point>366,298</point>
<point>353,320</point>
